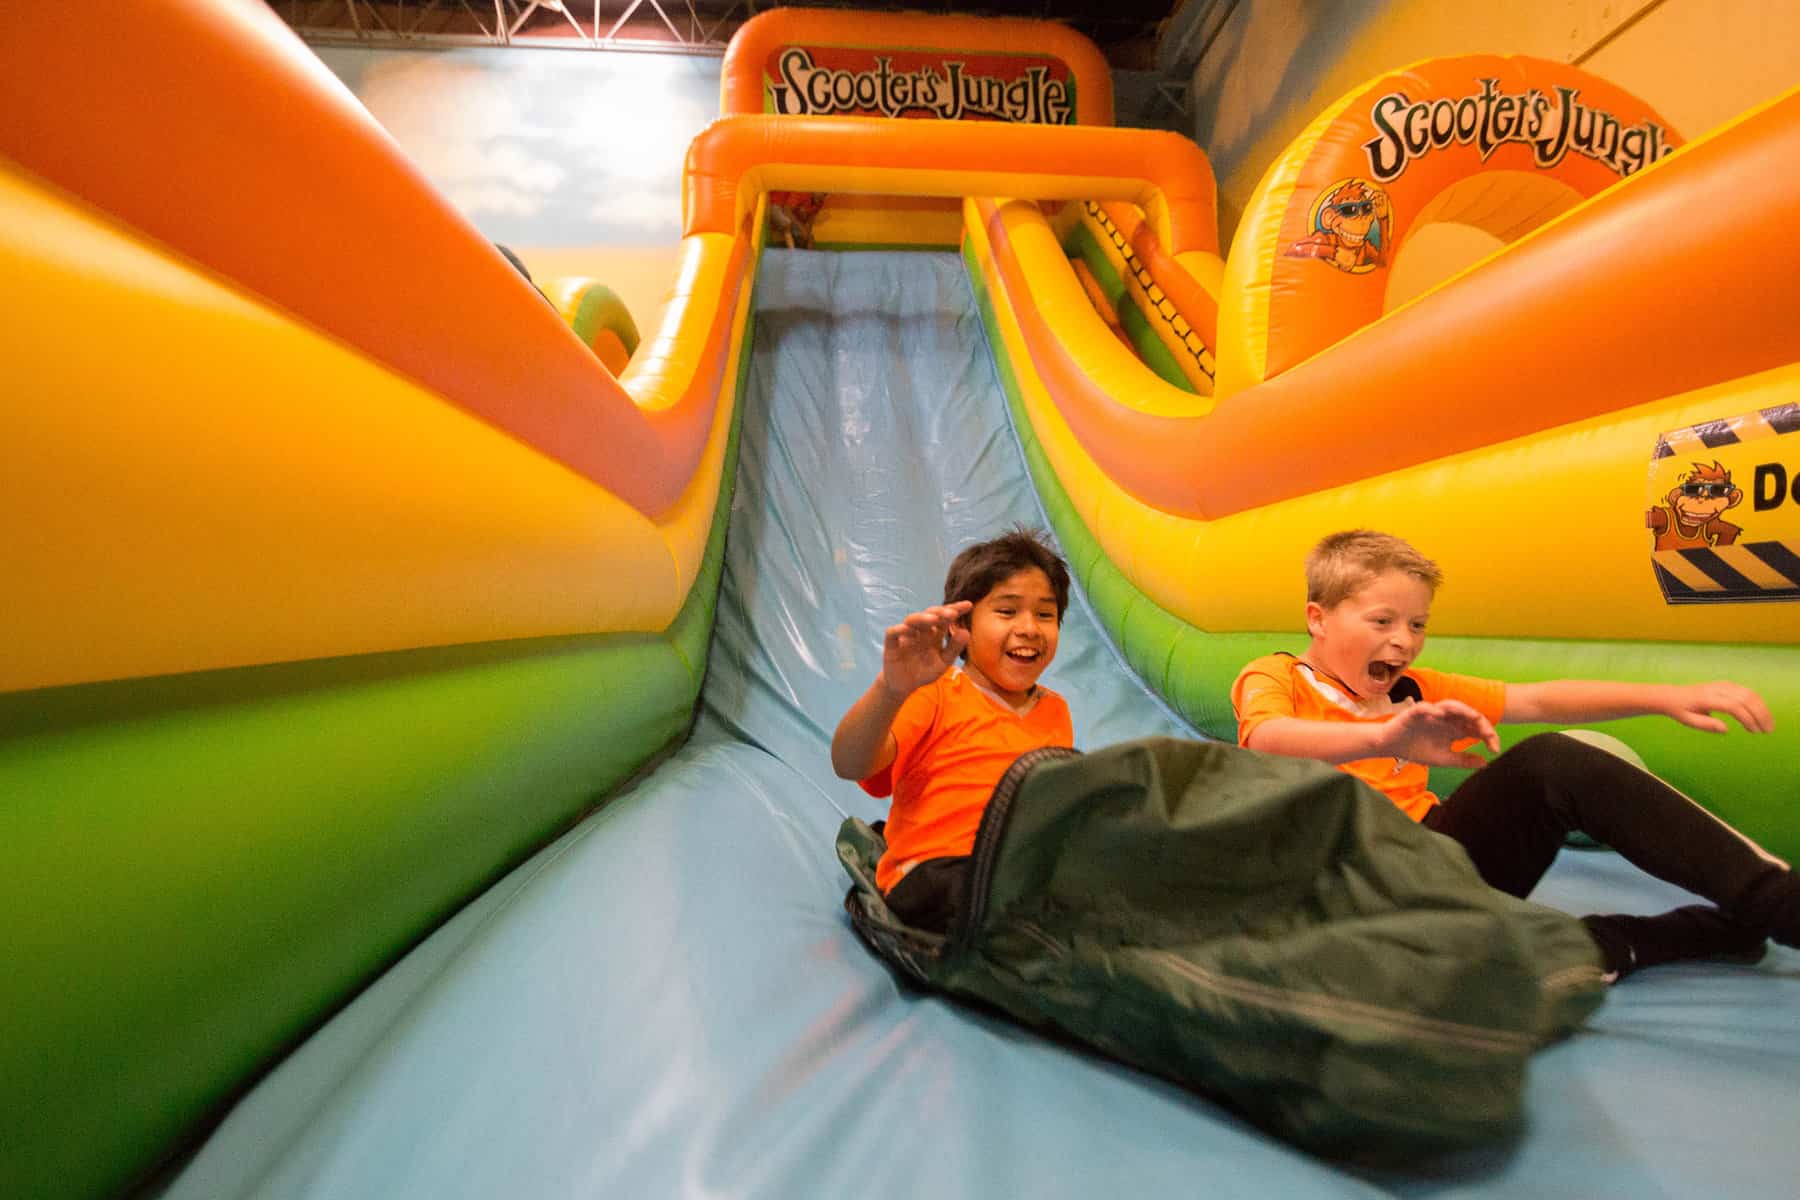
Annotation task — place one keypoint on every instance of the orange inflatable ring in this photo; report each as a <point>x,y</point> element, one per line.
<point>1500,143</point>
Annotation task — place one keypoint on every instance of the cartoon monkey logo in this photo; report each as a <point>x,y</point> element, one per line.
<point>1690,517</point>
<point>1352,228</point>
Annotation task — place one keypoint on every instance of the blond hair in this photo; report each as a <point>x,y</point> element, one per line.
<point>1343,563</point>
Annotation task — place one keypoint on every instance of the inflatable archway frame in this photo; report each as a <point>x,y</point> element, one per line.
<point>1528,137</point>
<point>742,78</point>
<point>735,159</point>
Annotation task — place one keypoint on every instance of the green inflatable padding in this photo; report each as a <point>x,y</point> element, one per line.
<point>601,309</point>
<point>196,870</point>
<point>1081,243</point>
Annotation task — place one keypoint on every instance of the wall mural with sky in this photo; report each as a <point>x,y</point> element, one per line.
<point>544,147</point>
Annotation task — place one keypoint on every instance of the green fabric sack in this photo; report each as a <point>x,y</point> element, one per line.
<point>1269,931</point>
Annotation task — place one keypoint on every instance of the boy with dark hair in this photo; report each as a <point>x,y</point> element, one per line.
<point>938,739</point>
<point>1355,700</point>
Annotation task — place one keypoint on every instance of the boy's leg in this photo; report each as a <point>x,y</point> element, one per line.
<point>1499,815</point>
<point>1512,816</point>
<point>1629,942</point>
<point>931,894</point>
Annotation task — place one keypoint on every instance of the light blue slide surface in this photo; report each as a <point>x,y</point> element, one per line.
<point>669,1001</point>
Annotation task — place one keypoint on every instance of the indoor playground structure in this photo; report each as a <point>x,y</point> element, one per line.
<point>415,696</point>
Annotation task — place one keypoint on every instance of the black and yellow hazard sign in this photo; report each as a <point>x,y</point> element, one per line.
<point>1724,513</point>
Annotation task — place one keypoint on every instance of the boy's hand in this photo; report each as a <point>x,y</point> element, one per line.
<point>1426,733</point>
<point>922,647</point>
<point>1694,704</point>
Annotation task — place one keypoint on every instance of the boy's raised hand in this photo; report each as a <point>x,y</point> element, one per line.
<point>1427,733</point>
<point>922,647</point>
<point>1694,705</point>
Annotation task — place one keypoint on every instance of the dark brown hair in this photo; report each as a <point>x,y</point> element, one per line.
<point>985,565</point>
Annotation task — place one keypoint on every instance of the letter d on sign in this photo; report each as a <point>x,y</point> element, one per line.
<point>1771,486</point>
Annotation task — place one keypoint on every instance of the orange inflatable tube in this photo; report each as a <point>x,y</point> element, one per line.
<point>388,267</point>
<point>228,78</point>
<point>1455,370</point>
<point>735,158</point>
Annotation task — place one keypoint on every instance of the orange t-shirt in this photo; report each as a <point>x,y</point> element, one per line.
<point>952,745</point>
<point>1280,685</point>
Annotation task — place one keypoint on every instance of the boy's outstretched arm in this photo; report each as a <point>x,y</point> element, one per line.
<point>913,653</point>
<point>1576,701</point>
<point>1424,733</point>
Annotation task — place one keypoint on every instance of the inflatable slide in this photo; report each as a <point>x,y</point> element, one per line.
<point>415,695</point>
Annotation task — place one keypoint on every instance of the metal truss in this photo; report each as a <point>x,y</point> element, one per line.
<point>633,25</point>
<point>705,26</point>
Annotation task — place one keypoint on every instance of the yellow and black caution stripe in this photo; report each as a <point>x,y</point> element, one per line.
<point>1732,431</point>
<point>1762,563</point>
<point>1744,571</point>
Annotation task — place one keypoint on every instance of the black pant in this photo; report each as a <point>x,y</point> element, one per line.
<point>1513,815</point>
<point>931,894</point>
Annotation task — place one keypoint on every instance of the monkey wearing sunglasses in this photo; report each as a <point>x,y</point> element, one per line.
<point>1351,228</point>
<point>1691,516</point>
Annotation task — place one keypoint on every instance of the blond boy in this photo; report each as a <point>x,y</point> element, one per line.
<point>1355,699</point>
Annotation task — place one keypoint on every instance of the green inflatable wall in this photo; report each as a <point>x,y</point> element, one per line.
<point>197,870</point>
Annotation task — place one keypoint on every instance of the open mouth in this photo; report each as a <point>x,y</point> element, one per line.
<point>1385,673</point>
<point>1024,656</point>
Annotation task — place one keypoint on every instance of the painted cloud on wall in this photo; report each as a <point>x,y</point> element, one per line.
<point>543,147</point>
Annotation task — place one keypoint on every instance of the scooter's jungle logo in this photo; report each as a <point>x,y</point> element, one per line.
<point>846,81</point>
<point>1552,125</point>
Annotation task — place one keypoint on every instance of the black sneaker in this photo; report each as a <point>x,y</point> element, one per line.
<point>1695,933</point>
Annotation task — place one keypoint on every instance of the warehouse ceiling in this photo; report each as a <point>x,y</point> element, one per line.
<point>1125,30</point>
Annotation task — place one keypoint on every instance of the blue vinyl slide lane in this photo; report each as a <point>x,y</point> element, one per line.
<point>669,1001</point>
